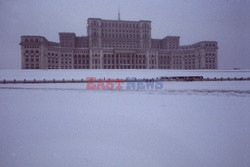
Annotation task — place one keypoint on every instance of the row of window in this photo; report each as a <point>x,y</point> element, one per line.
<point>32,66</point>
<point>52,66</point>
<point>110,56</point>
<point>36,66</point>
<point>30,46</point>
<point>177,62</point>
<point>81,61</point>
<point>66,62</point>
<point>189,62</point>
<point>210,60</point>
<point>81,56</point>
<point>133,36</point>
<point>81,51</point>
<point>120,45</point>
<point>152,67</point>
<point>124,56</point>
<point>66,44</point>
<point>164,67</point>
<point>210,54</point>
<point>120,24</point>
<point>189,67</point>
<point>124,61</point>
<point>152,61</point>
<point>82,45</point>
<point>61,67</point>
<point>52,60</point>
<point>162,62</point>
<point>177,67</point>
<point>210,66</point>
<point>122,67</point>
<point>120,30</point>
<point>185,56</point>
<point>31,60</point>
<point>31,51</point>
<point>165,47</point>
<point>81,67</point>
<point>210,44</point>
<point>31,40</point>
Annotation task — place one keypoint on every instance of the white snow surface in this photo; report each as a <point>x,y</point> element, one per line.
<point>189,124</point>
<point>121,73</point>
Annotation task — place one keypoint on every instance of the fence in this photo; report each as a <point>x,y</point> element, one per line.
<point>44,81</point>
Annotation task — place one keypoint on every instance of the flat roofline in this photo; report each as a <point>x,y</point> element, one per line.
<point>169,36</point>
<point>119,20</point>
<point>32,36</point>
<point>205,41</point>
<point>66,33</point>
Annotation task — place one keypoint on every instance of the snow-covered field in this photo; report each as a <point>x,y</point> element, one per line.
<point>82,74</point>
<point>189,124</point>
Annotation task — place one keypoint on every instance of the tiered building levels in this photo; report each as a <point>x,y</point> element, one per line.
<point>116,44</point>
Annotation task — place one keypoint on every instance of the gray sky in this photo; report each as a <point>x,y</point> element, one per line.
<point>225,21</point>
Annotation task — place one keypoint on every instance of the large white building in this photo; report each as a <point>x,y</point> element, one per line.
<point>116,44</point>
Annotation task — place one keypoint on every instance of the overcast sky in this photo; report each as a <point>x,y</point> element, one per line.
<point>225,21</point>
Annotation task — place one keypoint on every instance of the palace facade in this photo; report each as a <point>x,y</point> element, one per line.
<point>116,44</point>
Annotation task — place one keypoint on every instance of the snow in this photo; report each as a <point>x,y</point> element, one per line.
<point>184,124</point>
<point>121,73</point>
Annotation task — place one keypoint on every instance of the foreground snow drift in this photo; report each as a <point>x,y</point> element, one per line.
<point>184,124</point>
